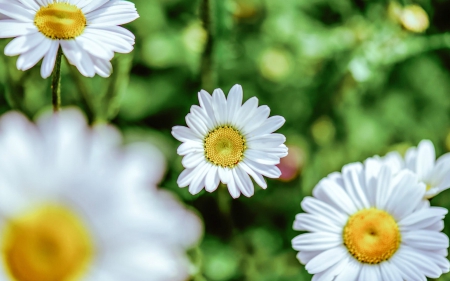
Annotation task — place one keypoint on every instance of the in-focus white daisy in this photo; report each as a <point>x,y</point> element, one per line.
<point>367,225</point>
<point>422,161</point>
<point>73,206</point>
<point>227,141</point>
<point>86,30</point>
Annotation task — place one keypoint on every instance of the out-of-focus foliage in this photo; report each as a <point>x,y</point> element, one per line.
<point>352,78</point>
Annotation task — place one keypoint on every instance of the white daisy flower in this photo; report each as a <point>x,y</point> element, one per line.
<point>227,141</point>
<point>422,161</point>
<point>365,225</point>
<point>86,30</point>
<point>73,206</point>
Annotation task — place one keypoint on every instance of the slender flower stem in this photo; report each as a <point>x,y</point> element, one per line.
<point>56,82</point>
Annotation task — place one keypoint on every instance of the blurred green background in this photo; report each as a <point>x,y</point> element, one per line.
<point>352,78</point>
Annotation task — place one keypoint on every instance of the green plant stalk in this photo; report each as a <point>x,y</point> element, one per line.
<point>56,82</point>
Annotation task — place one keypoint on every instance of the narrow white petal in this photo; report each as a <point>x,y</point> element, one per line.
<point>198,182</point>
<point>316,241</point>
<point>243,181</point>
<point>270,125</point>
<point>314,206</point>
<point>78,57</point>
<point>183,134</point>
<point>205,101</point>
<point>326,259</point>
<point>383,192</point>
<point>389,272</point>
<point>190,147</point>
<point>315,223</point>
<point>355,185</point>
<point>191,160</point>
<point>422,218</point>
<point>29,59</point>
<point>219,104</point>
<point>425,158</point>
<point>256,176</point>
<point>48,63</point>
<point>257,119</point>
<point>232,188</point>
<point>196,126</point>
<point>234,102</point>
<point>425,239</point>
<point>246,112</point>
<point>261,157</point>
<point>17,11</point>
<point>265,170</point>
<point>265,141</point>
<point>421,262</point>
<point>24,44</point>
<point>13,28</point>
<point>212,179</point>
<point>330,191</point>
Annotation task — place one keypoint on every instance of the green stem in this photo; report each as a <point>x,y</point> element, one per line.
<point>56,82</point>
<point>207,64</point>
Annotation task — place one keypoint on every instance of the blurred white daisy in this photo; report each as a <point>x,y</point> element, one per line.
<point>227,141</point>
<point>73,206</point>
<point>422,161</point>
<point>367,225</point>
<point>86,30</point>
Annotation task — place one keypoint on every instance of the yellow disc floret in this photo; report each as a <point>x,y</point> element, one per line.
<point>48,244</point>
<point>224,146</point>
<point>60,21</point>
<point>371,236</point>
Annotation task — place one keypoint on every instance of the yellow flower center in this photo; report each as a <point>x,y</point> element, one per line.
<point>60,21</point>
<point>224,147</point>
<point>48,244</point>
<point>371,236</point>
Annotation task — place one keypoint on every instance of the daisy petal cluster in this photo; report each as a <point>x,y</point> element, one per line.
<point>73,206</point>
<point>227,141</point>
<point>367,224</point>
<point>87,32</point>
<point>421,160</point>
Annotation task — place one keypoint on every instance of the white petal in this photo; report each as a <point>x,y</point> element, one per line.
<point>243,181</point>
<point>232,188</point>
<point>219,104</point>
<point>256,176</point>
<point>48,63</point>
<point>355,185</point>
<point>246,112</point>
<point>330,191</point>
<point>29,59</point>
<point>190,147</point>
<point>234,102</point>
<point>265,170</point>
<point>212,179</point>
<point>315,223</point>
<point>17,11</point>
<point>425,158</point>
<point>326,259</point>
<point>425,239</point>
<point>270,125</point>
<point>205,101</point>
<point>13,28</point>
<point>183,134</point>
<point>257,119</point>
<point>24,44</point>
<point>78,57</point>
<point>316,241</point>
<point>261,157</point>
<point>314,206</point>
<point>192,160</point>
